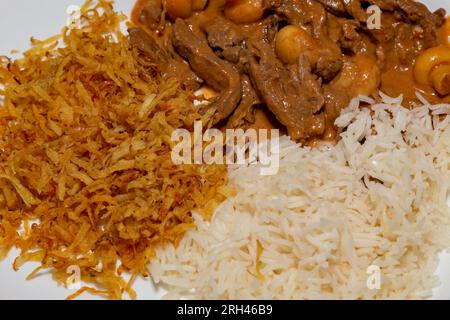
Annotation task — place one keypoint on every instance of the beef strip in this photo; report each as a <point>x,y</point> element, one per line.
<point>225,38</point>
<point>172,67</point>
<point>354,8</point>
<point>222,33</point>
<point>303,13</point>
<point>290,92</point>
<point>148,45</point>
<point>408,28</point>
<point>244,112</point>
<point>336,7</point>
<point>407,45</point>
<point>417,12</point>
<point>265,31</point>
<point>343,7</point>
<point>412,12</point>
<point>388,5</point>
<point>217,73</point>
<point>351,40</point>
<point>328,69</point>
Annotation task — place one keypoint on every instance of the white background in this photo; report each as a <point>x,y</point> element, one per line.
<point>21,19</point>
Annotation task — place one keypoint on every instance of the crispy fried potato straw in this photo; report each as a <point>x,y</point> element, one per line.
<point>86,177</point>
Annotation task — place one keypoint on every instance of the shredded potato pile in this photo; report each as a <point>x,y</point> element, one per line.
<point>86,176</point>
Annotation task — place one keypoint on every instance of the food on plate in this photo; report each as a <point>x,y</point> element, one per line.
<point>86,176</point>
<point>357,208</point>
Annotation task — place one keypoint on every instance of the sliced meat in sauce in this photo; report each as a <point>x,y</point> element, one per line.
<point>328,69</point>
<point>172,66</point>
<point>291,93</point>
<point>350,39</point>
<point>217,73</point>
<point>388,5</point>
<point>225,38</point>
<point>222,33</point>
<point>417,12</point>
<point>150,14</point>
<point>346,7</point>
<point>334,6</point>
<point>309,14</point>
<point>145,43</point>
<point>346,59</point>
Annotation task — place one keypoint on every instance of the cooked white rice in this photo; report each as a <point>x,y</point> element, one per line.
<point>377,198</point>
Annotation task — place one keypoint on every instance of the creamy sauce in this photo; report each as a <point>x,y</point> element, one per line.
<point>395,82</point>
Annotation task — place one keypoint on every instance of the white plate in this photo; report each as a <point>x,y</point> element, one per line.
<point>20,19</point>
